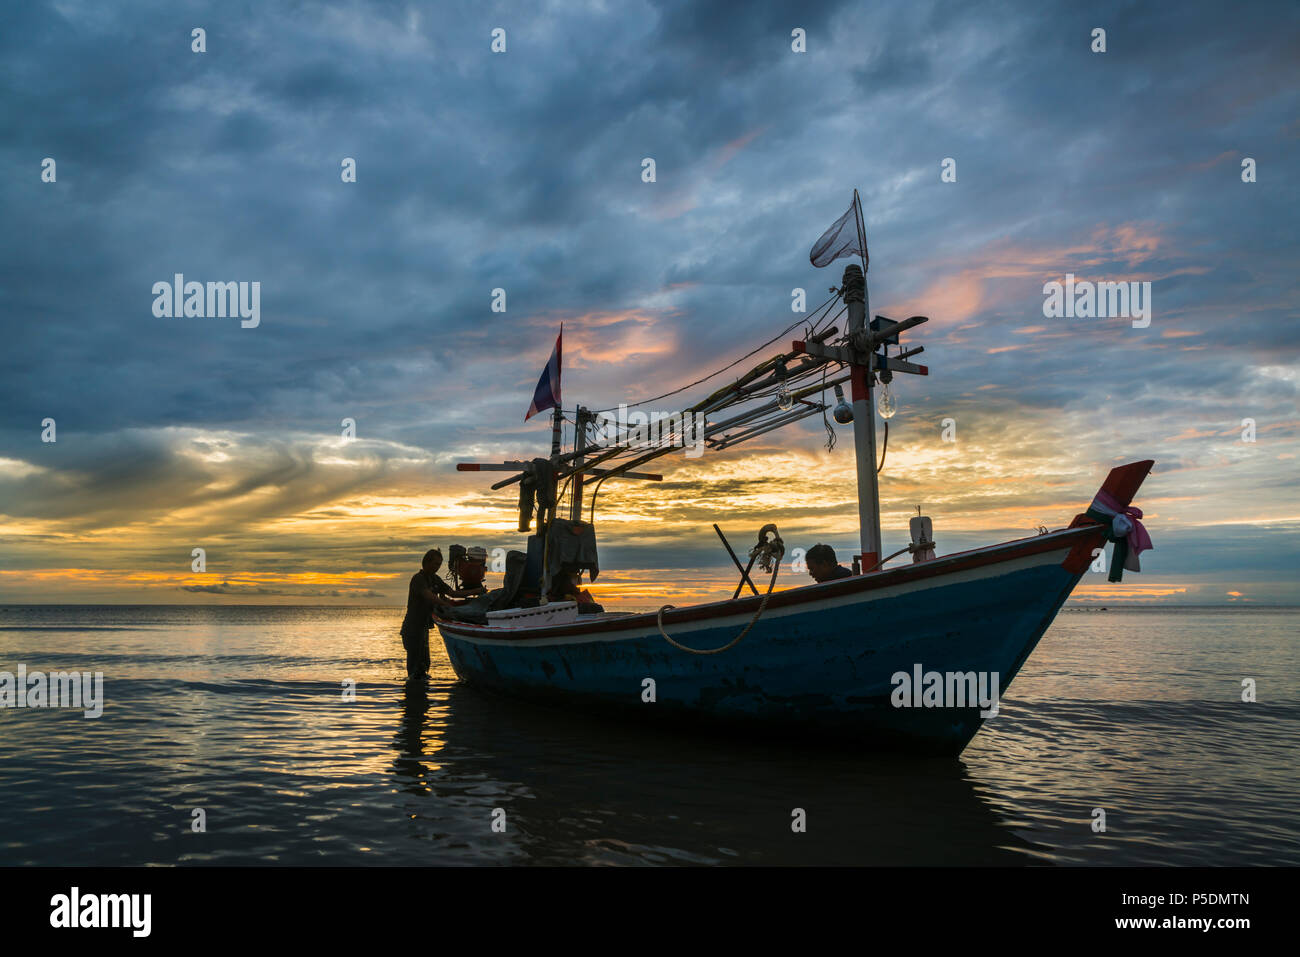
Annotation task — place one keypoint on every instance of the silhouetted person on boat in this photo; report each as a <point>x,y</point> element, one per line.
<point>468,567</point>
<point>427,592</point>
<point>822,565</point>
<point>568,587</point>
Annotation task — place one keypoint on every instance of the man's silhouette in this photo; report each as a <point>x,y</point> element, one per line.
<point>426,593</point>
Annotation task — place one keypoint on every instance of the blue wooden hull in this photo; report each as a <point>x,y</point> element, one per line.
<point>821,659</point>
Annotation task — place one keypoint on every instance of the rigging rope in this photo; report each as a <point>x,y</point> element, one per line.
<point>594,492</point>
<point>830,432</point>
<point>776,567</point>
<point>883,560</point>
<point>766,551</point>
<point>912,547</point>
<point>747,355</point>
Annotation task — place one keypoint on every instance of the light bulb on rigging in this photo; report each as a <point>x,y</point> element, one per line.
<point>784,400</point>
<point>885,404</point>
<point>843,411</point>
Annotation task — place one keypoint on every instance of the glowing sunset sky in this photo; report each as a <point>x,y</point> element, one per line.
<point>522,171</point>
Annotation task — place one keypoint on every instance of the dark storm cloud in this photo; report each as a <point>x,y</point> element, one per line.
<point>522,171</point>
<point>98,480</point>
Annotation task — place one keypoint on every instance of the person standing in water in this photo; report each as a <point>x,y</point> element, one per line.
<point>427,592</point>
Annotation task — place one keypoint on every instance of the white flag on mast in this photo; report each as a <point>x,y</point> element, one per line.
<point>846,237</point>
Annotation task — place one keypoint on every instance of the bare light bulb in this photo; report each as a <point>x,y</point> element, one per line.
<point>886,405</point>
<point>843,411</point>
<point>784,400</point>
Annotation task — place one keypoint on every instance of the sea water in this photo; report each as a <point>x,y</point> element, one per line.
<point>285,735</point>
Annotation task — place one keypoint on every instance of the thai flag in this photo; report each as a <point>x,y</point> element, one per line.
<point>547,395</point>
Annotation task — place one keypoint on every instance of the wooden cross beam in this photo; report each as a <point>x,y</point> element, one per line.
<point>862,352</point>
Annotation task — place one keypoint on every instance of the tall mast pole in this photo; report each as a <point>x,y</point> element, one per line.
<point>557,433</point>
<point>864,432</point>
<point>864,423</point>
<point>557,418</point>
<point>579,446</point>
<point>557,423</point>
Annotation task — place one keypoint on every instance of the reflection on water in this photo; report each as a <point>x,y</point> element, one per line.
<point>241,712</point>
<point>576,789</point>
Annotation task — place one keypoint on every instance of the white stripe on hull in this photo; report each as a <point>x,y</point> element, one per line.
<point>481,635</point>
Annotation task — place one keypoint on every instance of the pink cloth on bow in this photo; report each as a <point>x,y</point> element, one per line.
<point>1138,539</point>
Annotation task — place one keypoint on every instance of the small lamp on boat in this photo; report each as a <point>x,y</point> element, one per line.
<point>784,400</point>
<point>885,404</point>
<point>843,411</point>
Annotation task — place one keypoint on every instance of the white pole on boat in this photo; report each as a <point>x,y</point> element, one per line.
<point>864,428</point>
<point>864,413</point>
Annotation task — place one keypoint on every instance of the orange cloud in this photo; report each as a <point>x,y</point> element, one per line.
<point>612,336</point>
<point>967,286</point>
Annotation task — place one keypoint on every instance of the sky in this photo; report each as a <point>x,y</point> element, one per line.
<point>522,170</point>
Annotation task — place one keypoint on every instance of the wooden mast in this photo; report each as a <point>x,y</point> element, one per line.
<point>579,446</point>
<point>859,354</point>
<point>864,424</point>
<point>557,424</point>
<point>864,417</point>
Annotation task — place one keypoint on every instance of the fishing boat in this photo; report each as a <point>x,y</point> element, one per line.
<point>913,657</point>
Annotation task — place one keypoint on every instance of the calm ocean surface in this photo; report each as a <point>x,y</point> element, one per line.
<point>239,711</point>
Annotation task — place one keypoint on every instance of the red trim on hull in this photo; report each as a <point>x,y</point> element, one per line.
<point>947,565</point>
<point>1080,557</point>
